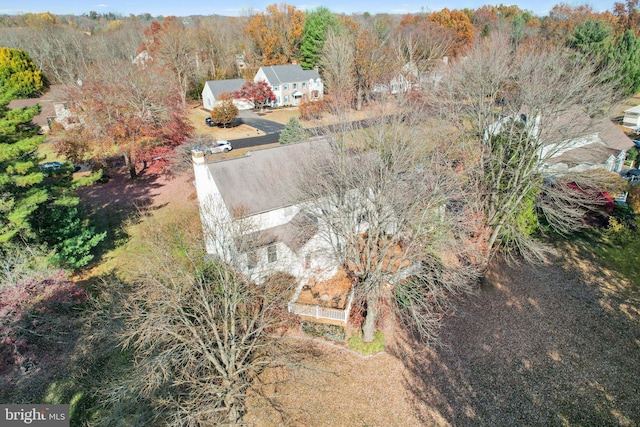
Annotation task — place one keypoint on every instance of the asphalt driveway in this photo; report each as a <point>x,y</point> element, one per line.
<point>250,118</point>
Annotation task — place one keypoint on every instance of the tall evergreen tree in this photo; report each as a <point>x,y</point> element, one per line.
<point>38,206</point>
<point>626,54</point>
<point>21,189</point>
<point>316,24</point>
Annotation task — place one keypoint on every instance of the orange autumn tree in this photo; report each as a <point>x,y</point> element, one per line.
<point>458,21</point>
<point>276,33</point>
<point>563,19</point>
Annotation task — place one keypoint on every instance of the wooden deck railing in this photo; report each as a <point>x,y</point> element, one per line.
<point>319,312</point>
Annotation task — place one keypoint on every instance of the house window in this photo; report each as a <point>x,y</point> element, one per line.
<point>362,217</point>
<point>295,85</point>
<point>304,85</point>
<point>252,260</point>
<point>275,87</point>
<point>272,253</point>
<point>307,261</point>
<point>286,99</point>
<point>285,87</point>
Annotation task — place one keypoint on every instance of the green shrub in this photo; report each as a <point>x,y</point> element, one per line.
<point>332,332</point>
<point>367,348</point>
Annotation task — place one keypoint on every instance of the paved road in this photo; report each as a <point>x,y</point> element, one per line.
<point>267,126</point>
<point>274,135</point>
<point>255,141</point>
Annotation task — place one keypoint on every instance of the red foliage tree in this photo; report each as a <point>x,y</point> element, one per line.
<point>259,93</point>
<point>126,112</point>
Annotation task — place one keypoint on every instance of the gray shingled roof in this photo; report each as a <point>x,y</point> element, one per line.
<point>578,123</point>
<point>218,87</point>
<point>278,74</point>
<point>265,179</point>
<point>592,154</point>
<point>295,234</point>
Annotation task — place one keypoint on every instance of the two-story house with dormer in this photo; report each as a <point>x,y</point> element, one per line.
<point>291,84</point>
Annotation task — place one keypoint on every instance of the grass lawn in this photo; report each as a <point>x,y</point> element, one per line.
<point>46,150</point>
<point>197,115</point>
<point>618,251</point>
<point>382,382</point>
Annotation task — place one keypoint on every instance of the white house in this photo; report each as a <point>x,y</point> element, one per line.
<point>599,144</point>
<point>574,142</point>
<point>291,84</point>
<point>214,88</point>
<point>632,117</point>
<point>252,217</point>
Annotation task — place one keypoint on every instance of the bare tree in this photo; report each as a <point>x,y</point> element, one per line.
<point>219,41</point>
<point>522,107</point>
<point>421,44</point>
<point>337,69</point>
<point>390,207</point>
<point>172,50</point>
<point>199,334</point>
<point>65,53</point>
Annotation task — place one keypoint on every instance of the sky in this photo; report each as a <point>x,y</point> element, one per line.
<point>240,7</point>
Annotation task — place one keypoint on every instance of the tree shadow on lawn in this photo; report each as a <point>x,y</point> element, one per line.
<point>113,204</point>
<point>539,345</point>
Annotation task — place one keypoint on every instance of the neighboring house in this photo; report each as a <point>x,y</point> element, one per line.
<point>437,73</point>
<point>632,117</point>
<point>253,219</point>
<point>51,109</point>
<point>141,59</point>
<point>214,88</point>
<point>600,145</point>
<point>410,77</point>
<point>291,84</point>
<point>399,84</point>
<point>573,142</point>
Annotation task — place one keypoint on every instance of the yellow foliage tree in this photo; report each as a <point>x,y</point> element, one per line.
<point>458,21</point>
<point>277,33</point>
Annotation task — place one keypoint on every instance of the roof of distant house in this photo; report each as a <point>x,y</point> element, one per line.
<point>46,101</point>
<point>576,123</point>
<point>278,74</point>
<point>218,87</point>
<point>593,154</point>
<point>266,179</point>
<point>633,110</point>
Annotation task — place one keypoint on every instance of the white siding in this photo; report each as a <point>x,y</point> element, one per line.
<point>208,100</point>
<point>275,217</point>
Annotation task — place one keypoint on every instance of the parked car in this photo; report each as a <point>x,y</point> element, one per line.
<point>209,122</point>
<point>218,147</point>
<point>633,175</point>
<point>48,167</point>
